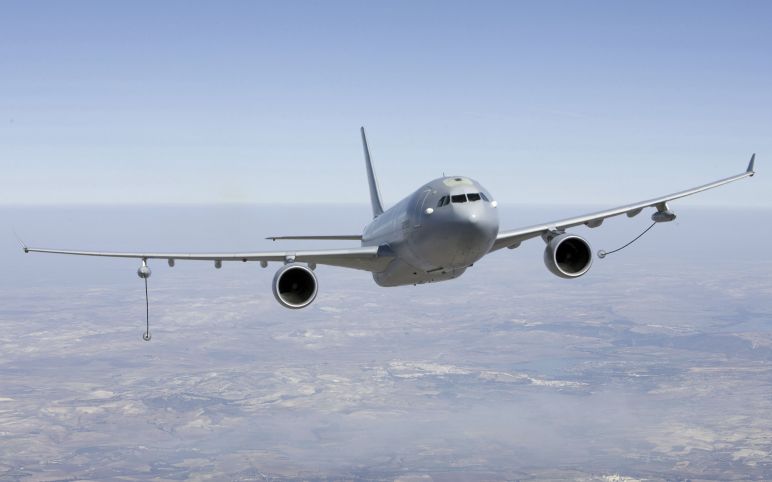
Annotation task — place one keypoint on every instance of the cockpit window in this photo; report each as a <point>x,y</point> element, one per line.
<point>462,198</point>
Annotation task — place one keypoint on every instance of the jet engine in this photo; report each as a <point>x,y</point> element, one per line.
<point>295,286</point>
<point>568,255</point>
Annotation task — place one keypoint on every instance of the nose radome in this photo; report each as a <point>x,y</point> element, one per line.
<point>480,223</point>
<point>476,218</point>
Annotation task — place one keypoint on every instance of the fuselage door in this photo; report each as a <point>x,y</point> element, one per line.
<point>420,205</point>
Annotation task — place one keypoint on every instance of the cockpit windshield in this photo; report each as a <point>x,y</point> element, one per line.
<point>462,198</point>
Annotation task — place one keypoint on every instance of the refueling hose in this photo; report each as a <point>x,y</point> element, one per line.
<point>602,254</point>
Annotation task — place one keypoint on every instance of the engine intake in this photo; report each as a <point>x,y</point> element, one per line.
<point>295,286</point>
<point>568,256</point>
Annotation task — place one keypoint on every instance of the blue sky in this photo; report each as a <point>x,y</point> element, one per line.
<point>548,102</point>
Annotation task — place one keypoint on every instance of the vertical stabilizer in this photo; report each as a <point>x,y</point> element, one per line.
<point>375,195</point>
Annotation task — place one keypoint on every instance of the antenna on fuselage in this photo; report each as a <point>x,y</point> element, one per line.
<point>375,195</point>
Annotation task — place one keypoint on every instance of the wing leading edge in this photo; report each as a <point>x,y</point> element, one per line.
<point>368,258</point>
<point>513,238</point>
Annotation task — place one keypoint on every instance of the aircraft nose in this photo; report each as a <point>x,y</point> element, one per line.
<point>487,223</point>
<point>461,233</point>
<point>477,223</point>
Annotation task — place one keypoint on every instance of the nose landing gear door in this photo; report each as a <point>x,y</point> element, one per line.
<point>420,207</point>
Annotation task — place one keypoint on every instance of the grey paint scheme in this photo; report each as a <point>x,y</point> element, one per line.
<point>436,246</point>
<point>406,244</point>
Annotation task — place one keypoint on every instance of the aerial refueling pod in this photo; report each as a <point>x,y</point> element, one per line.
<point>144,271</point>
<point>567,255</point>
<point>295,286</point>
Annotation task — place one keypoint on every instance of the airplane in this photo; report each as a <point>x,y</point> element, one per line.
<point>434,234</point>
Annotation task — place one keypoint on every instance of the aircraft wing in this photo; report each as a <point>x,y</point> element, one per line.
<point>513,238</point>
<point>367,258</point>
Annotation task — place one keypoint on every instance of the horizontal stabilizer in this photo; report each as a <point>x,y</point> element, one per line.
<point>350,237</point>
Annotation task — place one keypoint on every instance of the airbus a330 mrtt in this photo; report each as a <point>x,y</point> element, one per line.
<point>434,234</point>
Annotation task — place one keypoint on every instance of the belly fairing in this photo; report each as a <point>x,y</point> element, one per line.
<point>400,273</point>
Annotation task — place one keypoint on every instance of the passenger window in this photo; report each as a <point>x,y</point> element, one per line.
<point>475,196</point>
<point>484,198</point>
<point>459,198</point>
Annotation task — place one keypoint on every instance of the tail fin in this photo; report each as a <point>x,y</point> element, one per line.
<point>375,196</point>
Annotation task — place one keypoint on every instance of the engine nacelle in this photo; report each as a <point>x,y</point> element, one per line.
<point>568,256</point>
<point>295,286</point>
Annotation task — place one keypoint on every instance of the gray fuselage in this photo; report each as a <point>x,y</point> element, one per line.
<point>459,228</point>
